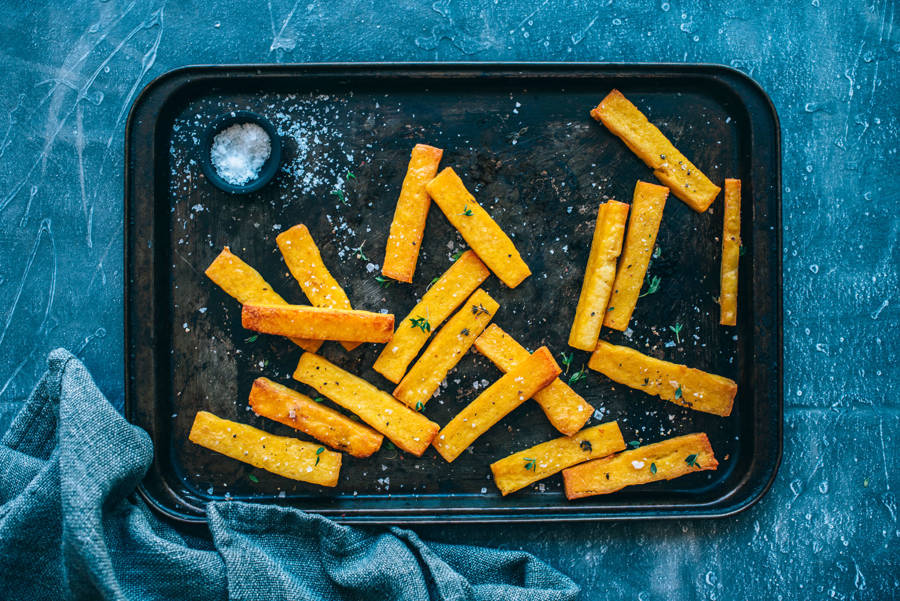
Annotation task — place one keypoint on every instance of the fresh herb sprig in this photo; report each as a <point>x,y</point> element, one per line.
<point>358,251</point>
<point>318,453</point>
<point>383,281</point>
<point>530,464</point>
<point>340,194</point>
<point>578,376</point>
<point>479,309</point>
<point>677,329</point>
<point>421,323</point>
<point>467,211</point>
<point>455,256</point>
<point>653,288</point>
<point>691,460</point>
<point>566,360</point>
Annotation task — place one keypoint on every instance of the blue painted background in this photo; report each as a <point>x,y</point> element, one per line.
<point>829,527</point>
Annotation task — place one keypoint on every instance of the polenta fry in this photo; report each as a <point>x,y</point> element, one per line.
<point>408,226</point>
<point>646,141</point>
<point>673,382</point>
<point>664,460</point>
<point>477,227</point>
<point>282,404</point>
<point>408,429</point>
<point>321,324</point>
<point>646,214</point>
<point>731,252</point>
<point>599,275</point>
<point>282,455</point>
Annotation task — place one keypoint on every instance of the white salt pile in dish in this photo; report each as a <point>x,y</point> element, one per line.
<point>239,152</point>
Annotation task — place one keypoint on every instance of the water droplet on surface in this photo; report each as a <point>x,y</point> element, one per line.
<point>809,168</point>
<point>665,7</point>
<point>814,268</point>
<point>796,486</point>
<point>812,107</point>
<point>823,487</point>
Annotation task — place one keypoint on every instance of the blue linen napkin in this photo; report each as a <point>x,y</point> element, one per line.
<point>71,527</point>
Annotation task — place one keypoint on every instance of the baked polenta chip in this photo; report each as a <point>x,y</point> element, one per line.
<point>731,253</point>
<point>498,400</point>
<point>282,455</point>
<point>664,460</point>
<point>541,461</point>
<point>673,382</point>
<point>476,226</point>
<point>451,289</point>
<point>408,429</point>
<point>646,141</point>
<point>599,275</point>
<point>282,404</point>
<point>318,323</point>
<point>302,257</point>
<point>448,347</point>
<point>646,214</point>
<point>564,407</point>
<point>244,284</point>
<point>408,226</point>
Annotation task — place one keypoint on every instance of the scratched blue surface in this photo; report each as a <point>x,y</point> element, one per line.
<point>828,529</point>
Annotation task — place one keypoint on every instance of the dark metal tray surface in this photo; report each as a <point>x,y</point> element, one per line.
<point>521,139</point>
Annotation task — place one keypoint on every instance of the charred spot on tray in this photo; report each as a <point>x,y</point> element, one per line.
<point>586,446</point>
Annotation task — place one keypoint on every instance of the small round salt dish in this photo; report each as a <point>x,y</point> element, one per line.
<point>240,152</point>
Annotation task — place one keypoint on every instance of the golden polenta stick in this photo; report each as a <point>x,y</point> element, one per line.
<point>457,283</point>
<point>244,284</point>
<point>276,402</point>
<point>318,323</point>
<point>481,232</point>
<point>599,275</point>
<point>564,407</point>
<point>541,461</point>
<point>408,226</point>
<point>731,252</point>
<point>658,461</point>
<point>282,455</point>
<point>445,351</point>
<point>302,257</point>
<point>409,430</point>
<point>499,399</point>
<point>646,213</point>
<point>674,382</point>
<point>646,141</point>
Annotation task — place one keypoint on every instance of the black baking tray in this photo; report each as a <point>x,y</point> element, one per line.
<point>521,138</point>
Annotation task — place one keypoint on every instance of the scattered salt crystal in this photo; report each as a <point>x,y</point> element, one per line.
<point>239,152</point>
<point>637,464</point>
